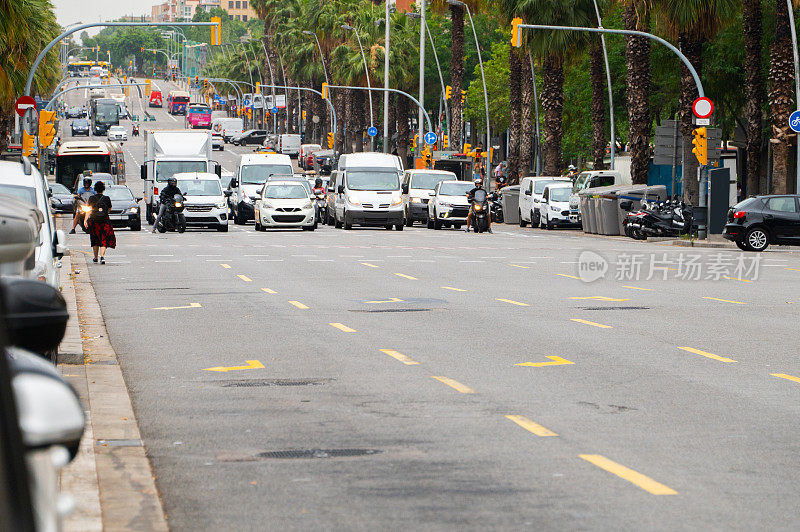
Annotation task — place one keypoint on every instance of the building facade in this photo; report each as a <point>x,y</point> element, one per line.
<point>238,9</point>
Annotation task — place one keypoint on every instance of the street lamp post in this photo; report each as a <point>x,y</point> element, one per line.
<point>413,15</point>
<point>321,57</point>
<point>608,81</point>
<point>347,27</point>
<point>421,128</point>
<point>483,80</point>
<point>386,81</point>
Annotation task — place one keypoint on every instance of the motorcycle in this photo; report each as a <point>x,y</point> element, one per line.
<point>480,211</point>
<point>85,211</point>
<point>173,219</point>
<point>496,208</point>
<point>322,209</point>
<point>135,131</point>
<point>669,218</point>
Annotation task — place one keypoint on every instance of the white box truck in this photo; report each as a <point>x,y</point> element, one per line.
<point>169,152</point>
<point>289,145</point>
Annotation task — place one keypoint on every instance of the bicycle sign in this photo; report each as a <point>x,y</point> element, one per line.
<point>794,121</point>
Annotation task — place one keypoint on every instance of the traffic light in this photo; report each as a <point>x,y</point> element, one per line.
<point>700,142</point>
<point>147,88</point>
<point>216,31</point>
<point>515,32</point>
<point>414,141</point>
<point>205,84</point>
<point>466,149</point>
<point>331,138</point>
<point>445,142</point>
<point>258,88</point>
<point>463,96</point>
<point>324,91</point>
<point>448,92</point>
<point>426,158</point>
<point>47,128</point>
<point>142,48</point>
<point>249,113</point>
<point>304,115</point>
<point>27,144</point>
<point>173,77</point>
<point>197,80</point>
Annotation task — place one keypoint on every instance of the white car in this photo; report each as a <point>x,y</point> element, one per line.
<point>216,141</point>
<point>284,203</point>
<point>449,205</point>
<point>530,196</point>
<point>24,181</point>
<point>204,202</point>
<point>117,133</point>
<point>554,207</point>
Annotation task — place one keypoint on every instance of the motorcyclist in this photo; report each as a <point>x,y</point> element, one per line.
<point>167,194</point>
<point>571,172</point>
<point>318,189</point>
<point>471,197</point>
<point>82,197</point>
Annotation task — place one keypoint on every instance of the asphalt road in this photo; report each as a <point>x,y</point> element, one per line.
<point>641,402</point>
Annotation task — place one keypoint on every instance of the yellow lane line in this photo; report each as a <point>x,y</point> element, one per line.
<point>226,266</point>
<point>593,324</point>
<point>707,355</point>
<point>570,276</point>
<point>531,426</point>
<point>793,269</point>
<point>400,356</point>
<point>298,305</point>
<point>454,289</point>
<point>390,300</point>
<point>785,376</point>
<point>637,288</point>
<point>245,278</point>
<point>513,302</point>
<point>634,477</point>
<point>341,327</point>
<point>269,291</point>
<point>370,265</point>
<point>556,361</point>
<point>519,266</point>
<point>724,300</point>
<point>190,305</point>
<point>454,384</point>
<point>600,298</point>
<point>406,276</point>
<point>737,279</point>
<point>251,364</point>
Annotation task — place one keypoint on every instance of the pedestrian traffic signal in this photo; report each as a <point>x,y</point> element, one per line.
<point>173,77</point>
<point>700,142</point>
<point>324,91</point>
<point>515,32</point>
<point>448,92</point>
<point>27,144</point>
<point>47,128</point>
<point>331,139</point>
<point>258,88</point>
<point>216,31</point>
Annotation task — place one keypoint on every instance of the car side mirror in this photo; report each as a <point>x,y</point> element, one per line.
<point>227,193</point>
<point>59,244</point>
<point>626,205</point>
<point>340,189</point>
<point>138,199</point>
<point>218,170</point>
<point>405,188</point>
<point>35,314</point>
<point>143,172</point>
<point>527,192</point>
<point>258,195</point>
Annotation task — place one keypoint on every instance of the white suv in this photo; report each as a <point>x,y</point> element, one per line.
<point>204,201</point>
<point>554,207</point>
<point>530,196</point>
<point>285,203</point>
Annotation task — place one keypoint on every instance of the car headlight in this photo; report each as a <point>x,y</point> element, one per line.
<point>446,205</point>
<point>416,200</point>
<point>133,210</point>
<point>397,200</point>
<point>220,205</point>
<point>353,200</point>
<point>554,209</point>
<point>307,205</point>
<point>265,205</point>
<point>40,271</point>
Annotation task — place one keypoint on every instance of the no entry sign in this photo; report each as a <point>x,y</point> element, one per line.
<point>702,107</point>
<point>24,103</point>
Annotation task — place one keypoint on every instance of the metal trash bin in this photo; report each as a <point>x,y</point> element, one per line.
<point>605,208</point>
<point>510,203</point>
<point>587,211</point>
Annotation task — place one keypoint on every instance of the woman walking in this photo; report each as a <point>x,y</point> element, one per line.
<point>101,233</point>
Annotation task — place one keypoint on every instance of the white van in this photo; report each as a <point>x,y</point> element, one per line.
<point>554,207</point>
<point>530,195</point>
<point>593,179</point>
<point>228,127</point>
<point>289,144</point>
<point>418,188</point>
<point>367,191</point>
<point>252,173</point>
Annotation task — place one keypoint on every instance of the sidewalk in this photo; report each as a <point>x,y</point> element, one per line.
<point>111,479</point>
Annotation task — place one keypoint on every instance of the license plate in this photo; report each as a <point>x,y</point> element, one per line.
<point>117,217</point>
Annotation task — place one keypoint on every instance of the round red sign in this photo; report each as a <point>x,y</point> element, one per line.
<point>702,107</point>
<point>24,103</point>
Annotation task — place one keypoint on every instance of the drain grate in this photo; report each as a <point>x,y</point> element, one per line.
<point>318,453</point>
<point>370,311</point>
<point>255,383</point>
<point>615,308</point>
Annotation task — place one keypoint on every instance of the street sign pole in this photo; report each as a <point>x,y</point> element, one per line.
<point>674,157</point>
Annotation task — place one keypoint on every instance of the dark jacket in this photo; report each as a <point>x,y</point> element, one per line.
<point>168,192</point>
<point>100,205</point>
<point>471,193</point>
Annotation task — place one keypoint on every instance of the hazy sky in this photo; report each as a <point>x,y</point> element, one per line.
<point>86,11</point>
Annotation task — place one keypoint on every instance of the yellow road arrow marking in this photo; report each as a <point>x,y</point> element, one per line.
<point>190,305</point>
<point>390,300</point>
<point>556,361</point>
<point>600,298</point>
<point>251,364</point>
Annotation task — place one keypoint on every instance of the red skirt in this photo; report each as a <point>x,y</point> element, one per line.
<point>102,234</point>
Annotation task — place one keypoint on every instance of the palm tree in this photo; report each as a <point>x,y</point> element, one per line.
<point>635,15</point>
<point>754,91</point>
<point>526,121</point>
<point>515,61</point>
<point>598,103</point>
<point>781,78</point>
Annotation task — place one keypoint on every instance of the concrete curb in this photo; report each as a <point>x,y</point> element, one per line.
<point>124,486</point>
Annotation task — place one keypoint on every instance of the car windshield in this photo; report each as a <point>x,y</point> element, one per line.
<point>285,192</point>
<point>372,180</point>
<point>257,174</point>
<point>116,128</point>
<point>119,193</point>
<point>580,182</point>
<point>538,186</point>
<point>200,187</point>
<point>455,189</point>
<point>427,180</point>
<point>167,169</point>
<point>24,193</point>
<point>560,194</point>
<point>58,188</point>
<point>80,123</point>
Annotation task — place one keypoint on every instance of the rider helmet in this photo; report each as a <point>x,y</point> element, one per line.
<point>478,182</point>
<point>318,182</point>
<point>172,182</point>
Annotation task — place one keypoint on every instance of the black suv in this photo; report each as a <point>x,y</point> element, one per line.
<point>755,223</point>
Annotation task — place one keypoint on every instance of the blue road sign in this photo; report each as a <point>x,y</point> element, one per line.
<point>372,131</point>
<point>274,110</point>
<point>431,138</point>
<point>794,121</point>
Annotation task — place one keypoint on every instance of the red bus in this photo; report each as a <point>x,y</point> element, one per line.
<point>177,101</point>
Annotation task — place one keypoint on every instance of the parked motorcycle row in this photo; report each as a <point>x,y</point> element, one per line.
<point>670,218</point>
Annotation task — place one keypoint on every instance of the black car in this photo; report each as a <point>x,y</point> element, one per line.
<point>75,112</point>
<point>251,136</point>
<point>61,198</point>
<point>80,127</point>
<point>755,223</point>
<point>124,208</point>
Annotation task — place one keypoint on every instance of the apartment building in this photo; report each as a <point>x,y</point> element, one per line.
<point>238,9</point>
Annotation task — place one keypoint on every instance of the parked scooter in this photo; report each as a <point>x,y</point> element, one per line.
<point>496,207</point>
<point>669,218</point>
<point>173,219</point>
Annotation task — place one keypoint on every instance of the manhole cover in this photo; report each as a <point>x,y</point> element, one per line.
<point>615,308</point>
<point>370,311</point>
<point>254,383</point>
<point>318,453</point>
